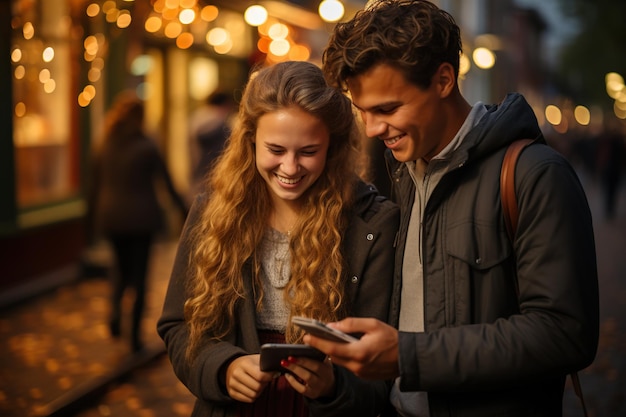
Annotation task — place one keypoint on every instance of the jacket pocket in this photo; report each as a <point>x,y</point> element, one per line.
<point>479,273</point>
<point>482,246</point>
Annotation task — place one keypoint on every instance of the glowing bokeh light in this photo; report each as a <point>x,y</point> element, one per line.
<point>553,115</point>
<point>331,10</point>
<point>185,40</point>
<point>20,72</point>
<point>28,30</point>
<point>44,75</point>
<point>209,13</point>
<point>483,58</point>
<point>48,54</point>
<point>93,9</point>
<point>582,115</point>
<point>255,15</point>
<point>20,109</point>
<point>278,31</point>
<point>153,24</point>
<point>123,20</point>
<point>173,29</point>
<point>279,47</point>
<point>16,55</point>
<point>217,36</point>
<point>187,16</point>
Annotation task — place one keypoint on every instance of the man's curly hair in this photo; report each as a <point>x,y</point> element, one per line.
<point>414,36</point>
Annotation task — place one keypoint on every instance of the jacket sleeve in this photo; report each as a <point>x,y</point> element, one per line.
<point>370,274</point>
<point>555,330</point>
<point>201,375</point>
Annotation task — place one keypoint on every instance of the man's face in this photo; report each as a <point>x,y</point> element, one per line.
<point>407,118</point>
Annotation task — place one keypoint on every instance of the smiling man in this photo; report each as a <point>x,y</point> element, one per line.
<point>466,342</point>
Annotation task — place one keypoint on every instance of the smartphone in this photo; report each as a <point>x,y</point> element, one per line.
<point>273,353</point>
<point>319,329</point>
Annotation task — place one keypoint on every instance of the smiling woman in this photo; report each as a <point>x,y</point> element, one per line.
<point>287,227</point>
<point>290,151</point>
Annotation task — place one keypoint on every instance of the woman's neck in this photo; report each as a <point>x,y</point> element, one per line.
<point>284,217</point>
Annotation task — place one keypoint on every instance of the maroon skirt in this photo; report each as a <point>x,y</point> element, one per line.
<point>278,399</point>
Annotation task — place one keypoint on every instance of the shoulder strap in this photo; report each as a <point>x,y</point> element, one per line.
<point>507,184</point>
<point>509,209</point>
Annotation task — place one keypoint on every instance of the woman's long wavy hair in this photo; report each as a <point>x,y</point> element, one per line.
<point>236,216</point>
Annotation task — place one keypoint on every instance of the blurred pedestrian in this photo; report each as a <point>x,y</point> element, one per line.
<point>611,156</point>
<point>289,230</point>
<point>468,342</point>
<point>210,126</point>
<point>127,169</point>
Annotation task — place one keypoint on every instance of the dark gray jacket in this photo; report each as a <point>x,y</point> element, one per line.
<point>369,249</point>
<point>484,353</point>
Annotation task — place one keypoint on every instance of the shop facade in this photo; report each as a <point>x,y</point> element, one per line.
<point>68,61</point>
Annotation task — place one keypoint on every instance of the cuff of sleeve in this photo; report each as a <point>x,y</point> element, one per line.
<point>408,363</point>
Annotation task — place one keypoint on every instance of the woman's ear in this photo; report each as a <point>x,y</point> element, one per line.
<point>445,78</point>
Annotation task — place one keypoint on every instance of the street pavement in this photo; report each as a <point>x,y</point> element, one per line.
<point>57,359</point>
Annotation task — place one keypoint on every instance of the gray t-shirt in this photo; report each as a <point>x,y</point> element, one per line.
<point>426,176</point>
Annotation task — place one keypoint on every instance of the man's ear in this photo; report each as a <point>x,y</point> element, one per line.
<point>445,78</point>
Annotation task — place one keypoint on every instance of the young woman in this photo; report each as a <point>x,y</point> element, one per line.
<point>286,228</point>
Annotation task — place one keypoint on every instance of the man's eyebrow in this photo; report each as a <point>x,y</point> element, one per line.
<point>378,106</point>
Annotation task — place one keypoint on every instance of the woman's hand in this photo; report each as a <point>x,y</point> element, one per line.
<point>244,379</point>
<point>309,377</point>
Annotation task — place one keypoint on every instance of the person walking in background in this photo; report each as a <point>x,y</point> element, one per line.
<point>209,129</point>
<point>611,145</point>
<point>285,228</point>
<point>468,342</point>
<point>126,210</point>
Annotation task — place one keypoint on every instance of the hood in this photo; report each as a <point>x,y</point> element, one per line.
<point>503,123</point>
<point>366,195</point>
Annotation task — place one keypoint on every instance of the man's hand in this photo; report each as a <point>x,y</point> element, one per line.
<point>374,356</point>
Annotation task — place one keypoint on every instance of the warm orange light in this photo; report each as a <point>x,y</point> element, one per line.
<point>153,24</point>
<point>582,115</point>
<point>264,44</point>
<point>124,19</point>
<point>93,9</point>
<point>299,53</point>
<point>209,13</point>
<point>173,29</point>
<point>185,40</point>
<point>553,115</point>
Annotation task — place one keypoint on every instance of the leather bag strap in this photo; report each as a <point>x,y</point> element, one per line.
<point>509,209</point>
<point>507,185</point>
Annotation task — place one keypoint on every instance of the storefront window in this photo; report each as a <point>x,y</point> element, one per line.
<point>40,54</point>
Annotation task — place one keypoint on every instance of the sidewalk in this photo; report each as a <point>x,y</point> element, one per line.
<point>56,354</point>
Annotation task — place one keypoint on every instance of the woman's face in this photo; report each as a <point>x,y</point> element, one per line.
<point>291,148</point>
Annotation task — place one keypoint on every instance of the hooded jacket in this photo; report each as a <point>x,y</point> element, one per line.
<point>485,352</point>
<point>369,250</point>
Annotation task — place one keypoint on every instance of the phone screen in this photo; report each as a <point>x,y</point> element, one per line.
<point>273,353</point>
<point>319,329</point>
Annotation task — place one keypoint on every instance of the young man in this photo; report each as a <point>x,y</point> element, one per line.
<point>468,344</point>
